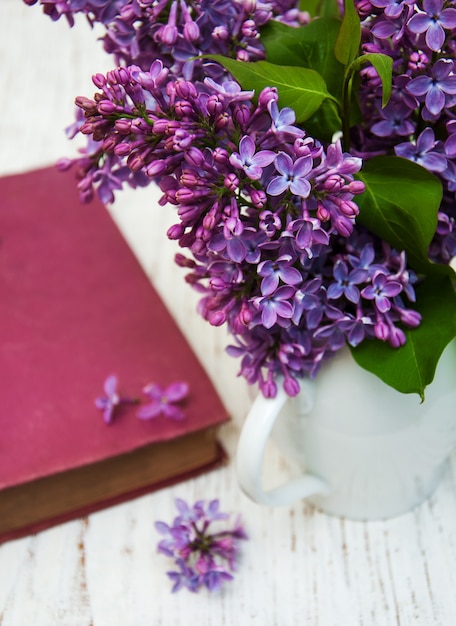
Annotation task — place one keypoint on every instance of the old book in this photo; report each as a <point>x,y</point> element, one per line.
<point>75,307</point>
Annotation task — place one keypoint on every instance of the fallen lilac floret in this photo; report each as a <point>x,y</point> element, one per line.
<point>203,558</point>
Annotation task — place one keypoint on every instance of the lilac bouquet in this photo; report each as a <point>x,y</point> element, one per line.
<point>309,149</point>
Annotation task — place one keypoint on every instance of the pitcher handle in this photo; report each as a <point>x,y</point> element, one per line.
<point>250,456</point>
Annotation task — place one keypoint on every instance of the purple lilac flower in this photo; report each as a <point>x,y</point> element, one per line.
<point>276,307</point>
<point>425,152</point>
<point>381,291</point>
<point>392,8</point>
<point>180,31</point>
<point>433,22</point>
<point>436,88</point>
<point>395,121</point>
<point>274,271</point>
<point>346,282</point>
<point>292,176</point>
<point>247,160</point>
<point>283,120</point>
<point>162,401</point>
<point>262,262</point>
<point>110,402</point>
<point>204,557</point>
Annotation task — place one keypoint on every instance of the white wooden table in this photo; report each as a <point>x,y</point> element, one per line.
<point>300,567</point>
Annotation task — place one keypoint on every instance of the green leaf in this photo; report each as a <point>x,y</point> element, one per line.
<point>300,88</point>
<point>384,66</point>
<point>311,6</point>
<point>411,368</point>
<point>322,8</point>
<point>324,122</point>
<point>309,46</point>
<point>400,205</point>
<point>349,39</point>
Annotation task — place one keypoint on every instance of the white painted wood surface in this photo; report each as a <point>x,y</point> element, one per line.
<point>300,567</point>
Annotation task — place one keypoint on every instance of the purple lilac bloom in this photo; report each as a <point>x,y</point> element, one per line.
<point>381,291</point>
<point>433,22</point>
<point>346,282</point>
<point>163,401</point>
<point>204,557</point>
<point>262,261</point>
<point>247,160</point>
<point>110,402</point>
<point>179,31</point>
<point>425,152</point>
<point>274,271</point>
<point>437,88</point>
<point>292,176</point>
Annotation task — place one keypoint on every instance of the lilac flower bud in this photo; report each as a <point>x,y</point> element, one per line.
<point>245,315</point>
<point>410,318</point>
<point>217,284</point>
<point>107,108</point>
<point>242,115</point>
<point>381,330</point>
<point>397,337</point>
<point>214,105</point>
<point>182,140</point>
<point>333,183</point>
<point>291,386</point>
<point>188,179</point>
<point>123,126</point>
<point>191,31</point>
<point>209,221</point>
<point>242,55</point>
<point>356,187</point>
<point>216,318</point>
<point>156,168</point>
<point>161,126</point>
<point>348,208</point>
<point>268,387</point>
<point>194,157</point>
<point>222,121</point>
<point>99,81</point>
<point>175,232</point>
<point>221,33</point>
<point>343,225</point>
<point>122,149</point>
<point>249,6</point>
<point>167,34</point>
<point>231,182</point>
<point>183,108</point>
<point>183,261</point>
<point>258,198</point>
<point>267,95</point>
<point>109,144</point>
<point>135,162</point>
<point>220,156</point>
<point>418,61</point>
<point>323,214</point>
<point>187,213</point>
<point>86,105</point>
<point>185,89</point>
<point>87,128</point>
<point>249,29</point>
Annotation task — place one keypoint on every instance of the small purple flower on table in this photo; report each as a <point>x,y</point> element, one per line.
<point>163,401</point>
<point>204,558</point>
<point>109,402</point>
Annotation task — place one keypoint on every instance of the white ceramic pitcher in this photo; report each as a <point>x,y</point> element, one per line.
<point>365,451</point>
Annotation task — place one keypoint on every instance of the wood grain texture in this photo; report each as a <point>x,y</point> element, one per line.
<point>300,567</point>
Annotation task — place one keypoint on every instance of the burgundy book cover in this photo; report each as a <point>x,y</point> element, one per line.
<point>75,307</point>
